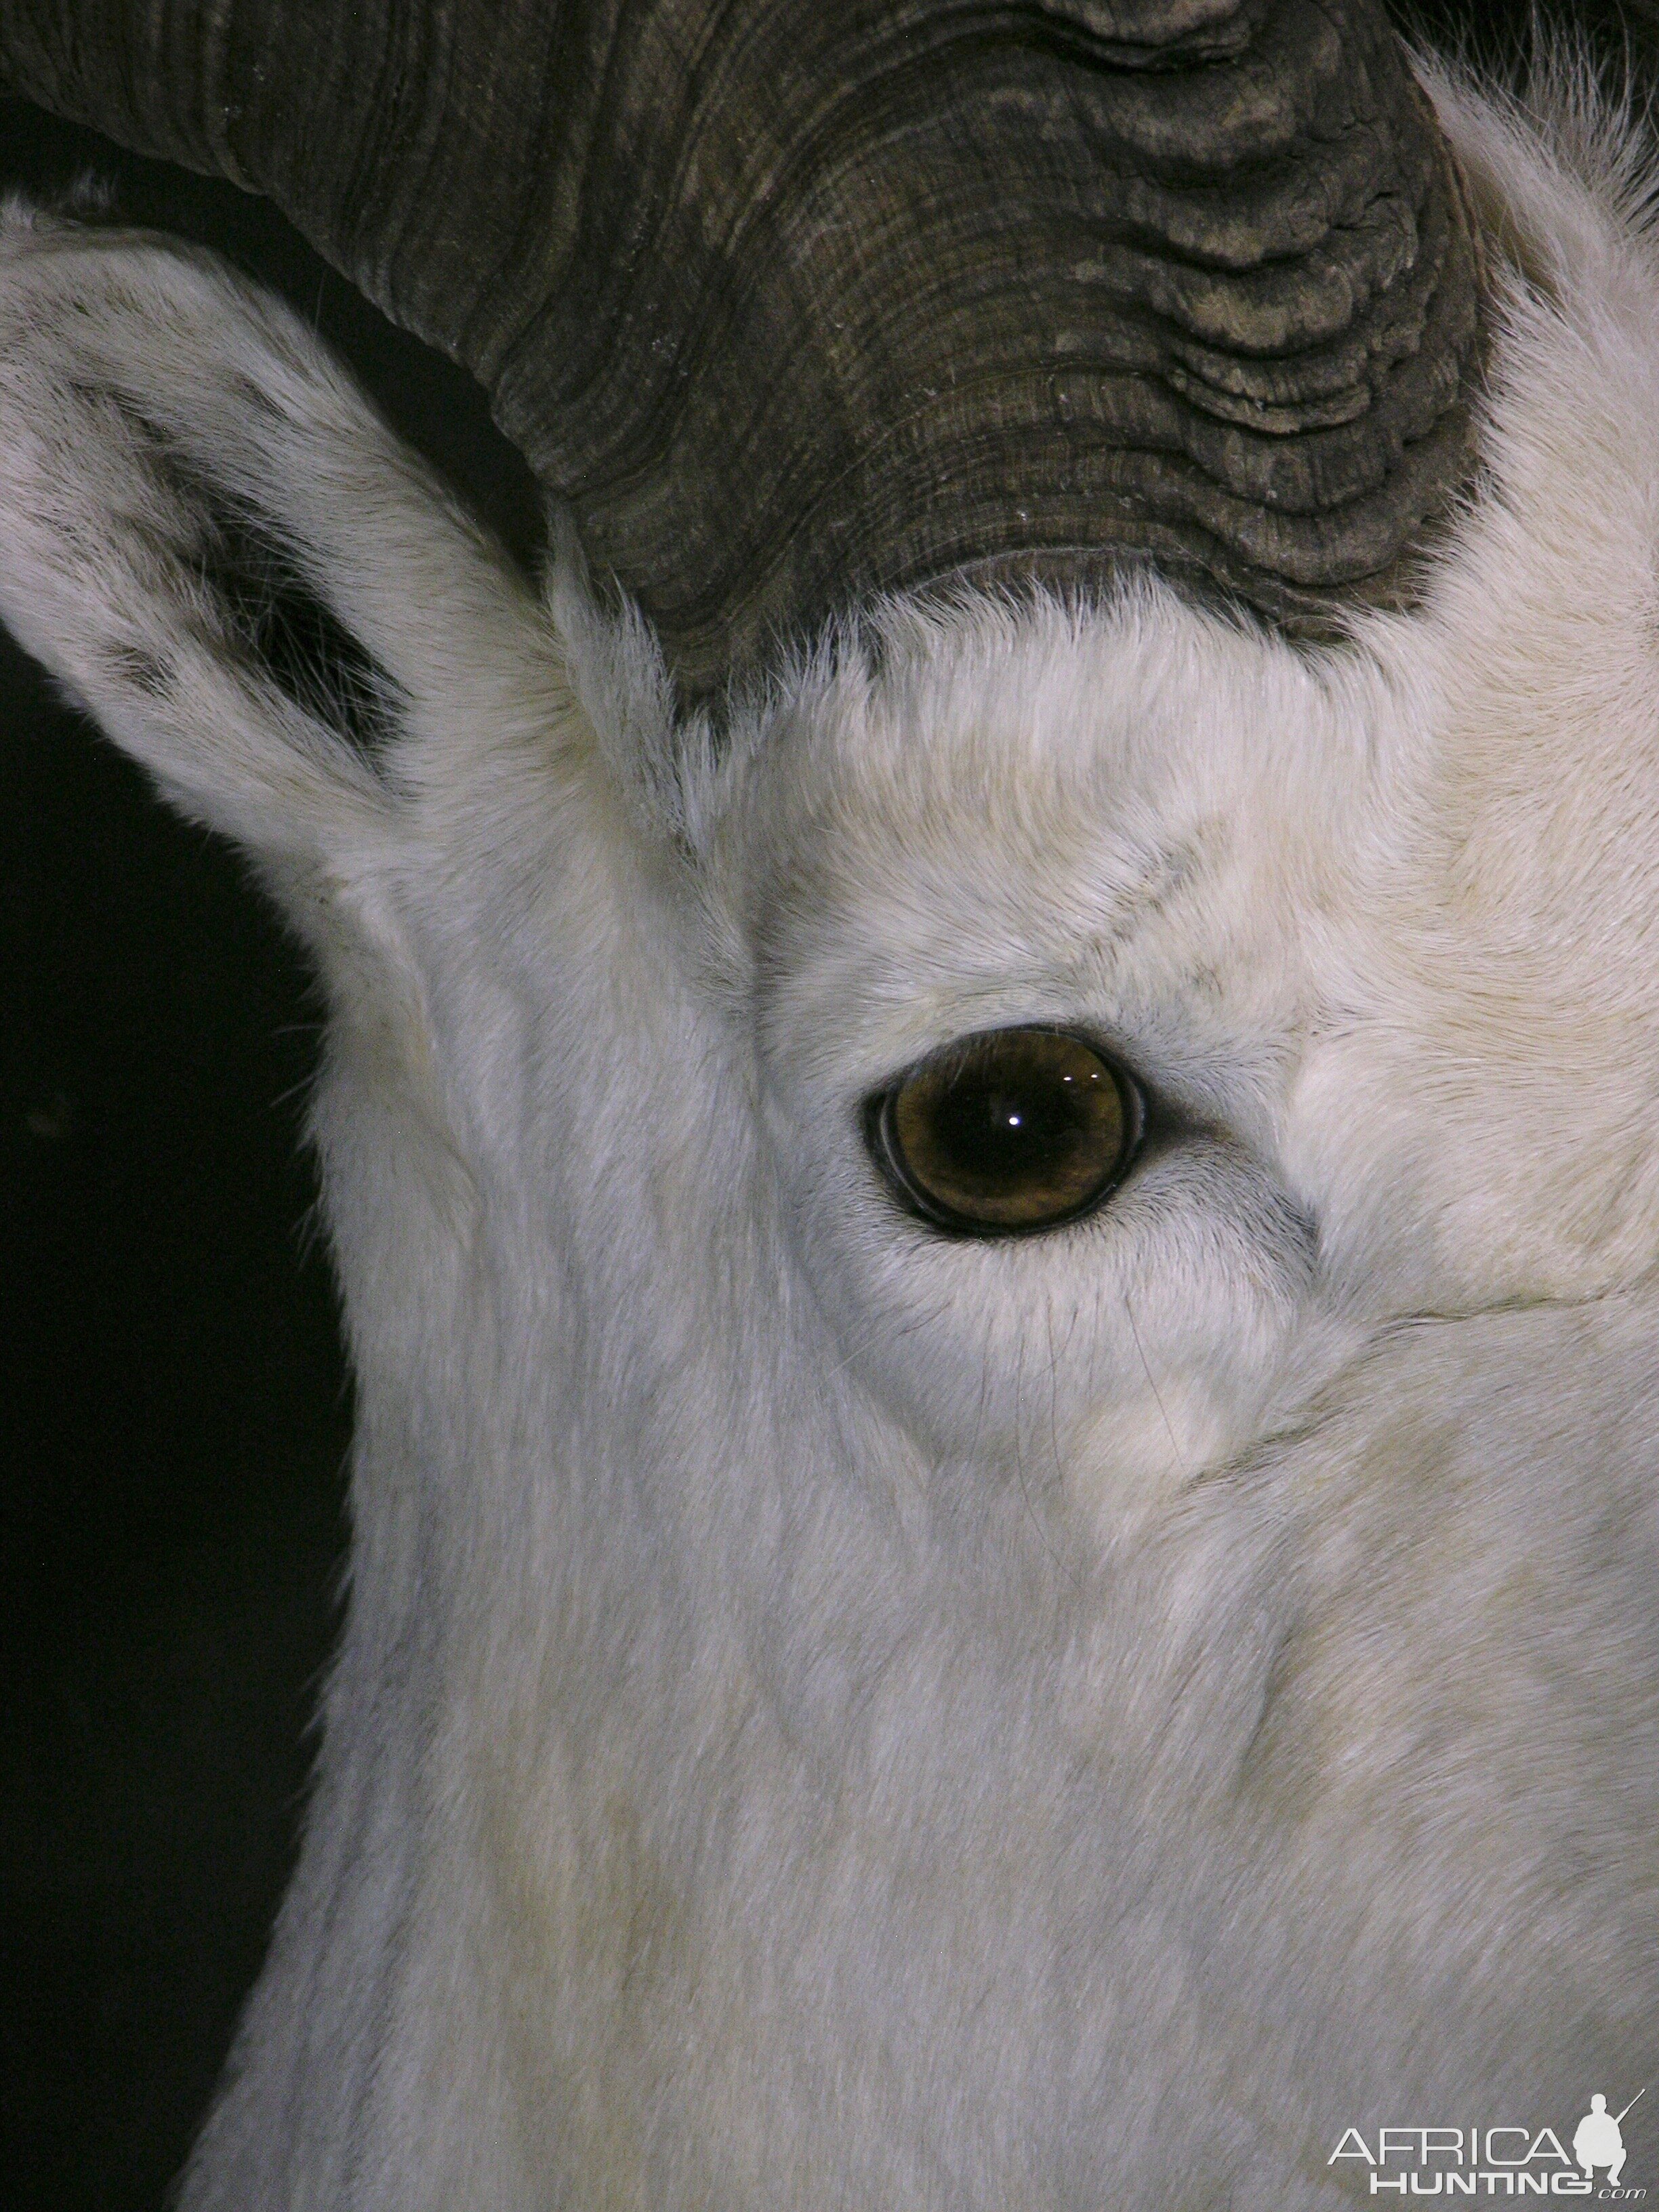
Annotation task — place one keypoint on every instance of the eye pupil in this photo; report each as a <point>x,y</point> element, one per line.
<point>1014,1130</point>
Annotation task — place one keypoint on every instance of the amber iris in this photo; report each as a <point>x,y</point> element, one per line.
<point>1008,1132</point>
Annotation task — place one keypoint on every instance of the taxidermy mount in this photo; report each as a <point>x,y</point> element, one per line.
<point>988,1119</point>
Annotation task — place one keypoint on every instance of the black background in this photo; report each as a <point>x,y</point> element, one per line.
<point>176,1409</point>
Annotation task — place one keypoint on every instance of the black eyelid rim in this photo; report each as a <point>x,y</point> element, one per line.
<point>875,1120</point>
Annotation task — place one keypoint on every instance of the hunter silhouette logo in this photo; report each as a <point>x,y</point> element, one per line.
<point>1498,2161</point>
<point>1596,2140</point>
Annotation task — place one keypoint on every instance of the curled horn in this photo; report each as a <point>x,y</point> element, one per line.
<point>789,303</point>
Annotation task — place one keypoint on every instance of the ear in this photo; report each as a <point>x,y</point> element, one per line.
<point>213,542</point>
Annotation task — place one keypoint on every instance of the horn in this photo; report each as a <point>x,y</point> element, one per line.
<point>789,304</point>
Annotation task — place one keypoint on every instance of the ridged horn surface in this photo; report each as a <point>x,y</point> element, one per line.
<point>791,302</point>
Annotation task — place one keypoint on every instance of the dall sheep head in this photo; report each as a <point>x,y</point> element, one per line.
<point>920,1636</point>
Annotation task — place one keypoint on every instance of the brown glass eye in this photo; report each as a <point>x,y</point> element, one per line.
<point>1014,1130</point>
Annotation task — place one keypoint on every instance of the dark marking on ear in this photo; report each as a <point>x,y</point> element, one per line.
<point>257,596</point>
<point>296,638</point>
<point>257,401</point>
<point>142,671</point>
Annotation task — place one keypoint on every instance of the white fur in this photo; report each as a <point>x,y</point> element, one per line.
<point>831,1715</point>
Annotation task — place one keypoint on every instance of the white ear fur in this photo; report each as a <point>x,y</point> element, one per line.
<point>177,454</point>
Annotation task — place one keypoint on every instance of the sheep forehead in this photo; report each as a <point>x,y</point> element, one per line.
<point>1035,814</point>
<point>1255,867</point>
